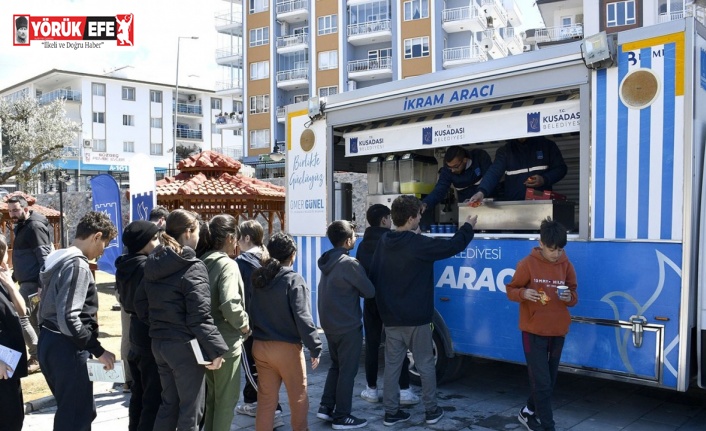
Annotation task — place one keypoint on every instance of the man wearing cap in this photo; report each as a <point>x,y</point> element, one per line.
<point>139,238</point>
<point>21,34</point>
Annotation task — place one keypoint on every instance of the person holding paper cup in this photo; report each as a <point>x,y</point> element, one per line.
<point>545,286</point>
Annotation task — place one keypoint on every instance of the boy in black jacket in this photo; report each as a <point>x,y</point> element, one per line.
<point>403,275</point>
<point>343,283</point>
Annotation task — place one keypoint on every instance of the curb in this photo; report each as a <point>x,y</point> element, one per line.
<point>38,404</point>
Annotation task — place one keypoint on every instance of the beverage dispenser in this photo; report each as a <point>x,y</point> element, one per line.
<point>375,176</point>
<point>417,174</point>
<point>390,175</point>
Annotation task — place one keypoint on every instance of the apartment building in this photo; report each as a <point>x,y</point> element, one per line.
<point>121,117</point>
<point>295,49</point>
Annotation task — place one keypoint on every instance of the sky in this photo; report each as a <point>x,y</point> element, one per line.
<point>157,23</point>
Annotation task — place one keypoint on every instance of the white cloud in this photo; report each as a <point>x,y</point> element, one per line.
<point>157,25</point>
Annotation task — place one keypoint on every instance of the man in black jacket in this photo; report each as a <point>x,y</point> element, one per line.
<point>379,222</point>
<point>403,274</point>
<point>29,251</point>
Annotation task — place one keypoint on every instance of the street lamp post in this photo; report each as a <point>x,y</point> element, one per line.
<point>176,99</point>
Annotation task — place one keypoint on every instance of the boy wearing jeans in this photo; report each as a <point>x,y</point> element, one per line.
<point>540,286</point>
<point>343,283</point>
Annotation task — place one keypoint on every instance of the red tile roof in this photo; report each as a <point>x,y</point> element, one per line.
<point>209,161</point>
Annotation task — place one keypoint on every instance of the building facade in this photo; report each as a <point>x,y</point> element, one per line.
<point>121,117</point>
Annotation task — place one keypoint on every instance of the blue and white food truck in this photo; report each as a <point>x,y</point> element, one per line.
<point>632,136</point>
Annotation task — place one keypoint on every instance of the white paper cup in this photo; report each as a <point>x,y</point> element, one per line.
<point>561,289</point>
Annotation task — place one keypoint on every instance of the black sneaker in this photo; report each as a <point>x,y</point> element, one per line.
<point>348,423</point>
<point>325,413</point>
<point>529,420</point>
<point>434,416</point>
<point>391,419</point>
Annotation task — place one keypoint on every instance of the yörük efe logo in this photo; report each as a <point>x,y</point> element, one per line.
<point>353,143</point>
<point>74,32</point>
<point>533,122</point>
<point>427,135</point>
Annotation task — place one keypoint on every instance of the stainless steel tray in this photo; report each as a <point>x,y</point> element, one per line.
<point>518,215</point>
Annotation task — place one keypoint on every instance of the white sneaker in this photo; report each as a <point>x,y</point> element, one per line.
<point>279,422</point>
<point>371,395</point>
<point>249,409</point>
<point>408,398</point>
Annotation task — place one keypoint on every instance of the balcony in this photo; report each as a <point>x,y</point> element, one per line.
<point>188,109</point>
<point>370,69</point>
<point>292,11</point>
<point>229,88</point>
<point>514,40</point>
<point>230,56</point>
<point>230,121</point>
<point>466,18</point>
<point>294,43</point>
<point>63,94</point>
<point>184,132</point>
<point>554,34</point>
<point>293,79</point>
<point>494,9</point>
<point>671,16</point>
<point>463,55</point>
<point>281,112</point>
<point>370,32</point>
<point>228,22</point>
<point>493,44</point>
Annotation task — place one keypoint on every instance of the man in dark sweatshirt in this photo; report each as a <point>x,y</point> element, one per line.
<point>343,282</point>
<point>403,274</point>
<point>67,315</point>
<point>380,222</point>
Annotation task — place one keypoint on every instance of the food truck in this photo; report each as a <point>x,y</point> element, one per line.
<point>632,134</point>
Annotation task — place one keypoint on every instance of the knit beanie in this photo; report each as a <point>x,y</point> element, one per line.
<point>21,22</point>
<point>137,234</point>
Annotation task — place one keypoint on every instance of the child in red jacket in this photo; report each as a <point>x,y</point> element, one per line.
<point>545,285</point>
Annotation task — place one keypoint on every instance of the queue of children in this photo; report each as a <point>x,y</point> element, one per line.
<point>182,281</point>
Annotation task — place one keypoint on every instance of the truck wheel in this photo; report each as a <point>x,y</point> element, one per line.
<point>447,369</point>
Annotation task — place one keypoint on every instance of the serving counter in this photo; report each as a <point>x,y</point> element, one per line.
<point>518,215</point>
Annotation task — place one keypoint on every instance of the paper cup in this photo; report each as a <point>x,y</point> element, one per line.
<point>561,289</point>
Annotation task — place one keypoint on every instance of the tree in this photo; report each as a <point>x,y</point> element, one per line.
<point>32,135</point>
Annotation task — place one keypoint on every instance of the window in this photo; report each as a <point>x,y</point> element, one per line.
<point>259,5</point>
<point>156,123</point>
<point>156,149</point>
<point>416,47</point>
<point>98,89</point>
<point>416,9</point>
<point>379,53</point>
<point>260,36</point>
<point>216,104</point>
<point>301,98</point>
<point>155,96</point>
<point>238,132</point>
<point>237,106</point>
<point>620,13</point>
<point>259,104</point>
<point>128,93</point>
<point>328,91</point>
<point>260,70</point>
<point>99,145</point>
<point>260,138</point>
<point>129,146</point>
<point>328,60</point>
<point>128,120</point>
<point>328,24</point>
<point>99,117</point>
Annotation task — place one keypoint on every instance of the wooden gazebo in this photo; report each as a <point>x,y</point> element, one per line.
<point>210,184</point>
<point>6,223</point>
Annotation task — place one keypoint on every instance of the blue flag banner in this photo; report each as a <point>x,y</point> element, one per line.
<point>106,198</point>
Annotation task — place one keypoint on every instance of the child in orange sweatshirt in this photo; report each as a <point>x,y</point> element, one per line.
<point>545,285</point>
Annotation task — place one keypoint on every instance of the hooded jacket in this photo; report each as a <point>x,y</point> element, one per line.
<point>11,333</point>
<point>403,274</point>
<point>227,295</point>
<point>31,247</point>
<point>176,300</point>
<point>343,282</point>
<point>248,262</point>
<point>535,272</point>
<point>281,311</point>
<point>69,300</point>
<point>129,273</point>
